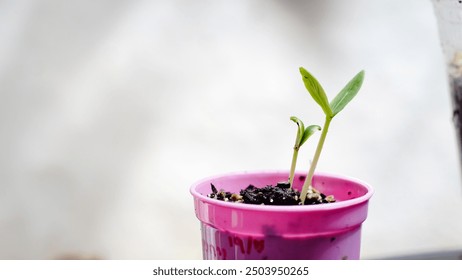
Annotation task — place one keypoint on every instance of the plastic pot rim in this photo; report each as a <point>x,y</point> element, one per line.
<point>282,208</point>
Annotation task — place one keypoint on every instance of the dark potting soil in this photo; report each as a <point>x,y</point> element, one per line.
<point>281,194</point>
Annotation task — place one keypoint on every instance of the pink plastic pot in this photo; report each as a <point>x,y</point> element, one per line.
<point>240,231</point>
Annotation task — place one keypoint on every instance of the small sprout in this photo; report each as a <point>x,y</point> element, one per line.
<point>302,135</point>
<point>330,111</point>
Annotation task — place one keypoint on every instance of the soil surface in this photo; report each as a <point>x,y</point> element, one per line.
<point>281,194</point>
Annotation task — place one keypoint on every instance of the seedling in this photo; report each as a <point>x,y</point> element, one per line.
<point>283,193</point>
<point>302,135</point>
<point>330,109</point>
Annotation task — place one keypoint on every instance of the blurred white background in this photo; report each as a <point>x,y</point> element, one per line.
<point>110,110</point>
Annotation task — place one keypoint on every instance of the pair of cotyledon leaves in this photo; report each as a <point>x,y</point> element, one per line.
<point>330,109</point>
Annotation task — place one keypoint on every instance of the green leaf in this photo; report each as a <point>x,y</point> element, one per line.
<point>316,91</point>
<point>347,93</point>
<point>301,130</point>
<point>310,130</point>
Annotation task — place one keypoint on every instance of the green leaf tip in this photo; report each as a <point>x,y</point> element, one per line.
<point>316,91</point>
<point>297,121</point>
<point>303,133</point>
<point>300,131</point>
<point>310,130</point>
<point>347,93</point>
